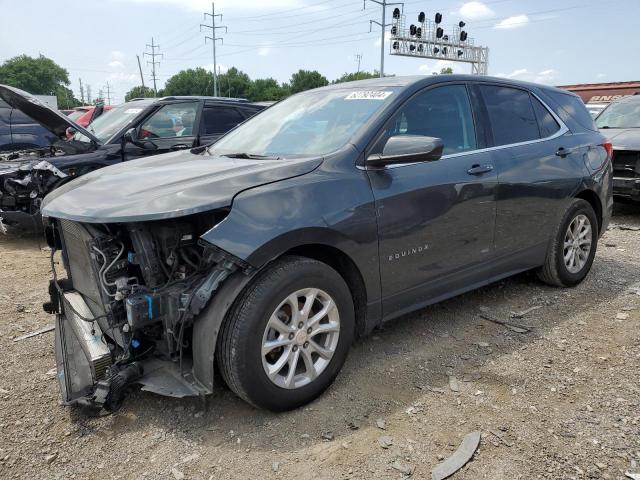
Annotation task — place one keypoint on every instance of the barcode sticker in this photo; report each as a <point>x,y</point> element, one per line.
<point>368,95</point>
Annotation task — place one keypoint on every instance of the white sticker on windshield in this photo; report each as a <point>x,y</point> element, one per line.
<point>368,95</point>
<point>132,110</point>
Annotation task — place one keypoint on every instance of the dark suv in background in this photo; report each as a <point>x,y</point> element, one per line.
<point>620,122</point>
<point>132,130</point>
<point>318,219</point>
<point>19,132</point>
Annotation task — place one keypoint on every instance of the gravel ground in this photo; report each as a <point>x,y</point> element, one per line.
<point>558,402</point>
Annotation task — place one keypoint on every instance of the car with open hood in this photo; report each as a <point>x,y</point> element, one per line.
<point>333,211</point>
<point>620,122</point>
<point>129,131</point>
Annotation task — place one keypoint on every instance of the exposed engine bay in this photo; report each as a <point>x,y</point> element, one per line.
<point>26,176</point>
<point>126,308</point>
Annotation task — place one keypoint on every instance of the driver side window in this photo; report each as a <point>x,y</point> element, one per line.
<point>441,112</point>
<point>170,121</point>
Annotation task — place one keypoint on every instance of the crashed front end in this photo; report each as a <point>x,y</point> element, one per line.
<point>25,178</point>
<point>126,309</point>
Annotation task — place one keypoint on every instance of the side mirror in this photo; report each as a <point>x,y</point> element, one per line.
<point>408,149</point>
<point>131,136</point>
<point>70,132</point>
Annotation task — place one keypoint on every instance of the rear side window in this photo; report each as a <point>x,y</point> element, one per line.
<point>219,120</point>
<point>547,124</point>
<point>511,115</point>
<point>573,106</point>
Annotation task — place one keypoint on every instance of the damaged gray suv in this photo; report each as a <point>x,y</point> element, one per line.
<point>335,210</point>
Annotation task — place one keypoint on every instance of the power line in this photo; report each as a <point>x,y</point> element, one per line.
<point>384,4</point>
<point>266,15</point>
<point>140,68</point>
<point>358,57</point>
<point>81,91</point>
<point>108,87</point>
<point>153,63</point>
<point>213,39</point>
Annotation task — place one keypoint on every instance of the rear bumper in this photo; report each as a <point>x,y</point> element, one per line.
<point>626,187</point>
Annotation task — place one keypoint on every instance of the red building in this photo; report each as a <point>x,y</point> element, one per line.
<point>604,92</point>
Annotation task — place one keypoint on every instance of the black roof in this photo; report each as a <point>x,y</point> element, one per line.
<point>424,80</point>
<point>191,97</point>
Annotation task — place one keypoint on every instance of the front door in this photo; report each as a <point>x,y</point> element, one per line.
<point>172,127</point>
<point>435,219</point>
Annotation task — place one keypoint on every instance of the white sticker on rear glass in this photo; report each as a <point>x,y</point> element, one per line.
<point>368,95</point>
<point>133,110</point>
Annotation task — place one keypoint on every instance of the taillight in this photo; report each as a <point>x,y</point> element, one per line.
<point>608,146</point>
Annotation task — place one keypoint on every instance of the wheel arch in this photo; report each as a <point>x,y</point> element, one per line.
<point>592,199</point>
<point>348,270</point>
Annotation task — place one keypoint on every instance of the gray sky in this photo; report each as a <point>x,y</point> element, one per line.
<point>549,41</point>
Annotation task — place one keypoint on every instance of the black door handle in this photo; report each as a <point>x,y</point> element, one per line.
<point>563,152</point>
<point>180,146</point>
<point>480,169</point>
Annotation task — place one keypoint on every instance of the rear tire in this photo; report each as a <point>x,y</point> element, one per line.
<point>312,340</point>
<point>573,247</point>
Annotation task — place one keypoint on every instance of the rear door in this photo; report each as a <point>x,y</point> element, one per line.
<point>435,219</point>
<point>171,127</point>
<point>217,120</point>
<point>534,177</point>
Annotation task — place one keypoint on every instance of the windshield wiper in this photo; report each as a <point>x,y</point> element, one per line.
<point>250,156</point>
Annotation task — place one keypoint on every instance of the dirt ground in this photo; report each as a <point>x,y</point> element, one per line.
<point>561,401</point>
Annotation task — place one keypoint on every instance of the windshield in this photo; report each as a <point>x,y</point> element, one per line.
<point>310,123</point>
<point>76,114</point>
<point>620,115</point>
<point>110,122</point>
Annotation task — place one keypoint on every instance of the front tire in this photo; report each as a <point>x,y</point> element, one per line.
<point>573,246</point>
<point>288,335</point>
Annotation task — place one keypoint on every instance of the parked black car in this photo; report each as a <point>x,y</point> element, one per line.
<point>19,132</point>
<point>132,130</point>
<point>620,122</point>
<point>320,218</point>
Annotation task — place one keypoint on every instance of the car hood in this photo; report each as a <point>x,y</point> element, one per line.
<point>165,186</point>
<point>53,120</point>
<point>623,138</point>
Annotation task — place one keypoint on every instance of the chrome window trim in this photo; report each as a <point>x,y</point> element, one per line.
<point>562,131</point>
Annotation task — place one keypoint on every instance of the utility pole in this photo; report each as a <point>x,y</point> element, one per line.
<point>153,63</point>
<point>108,87</point>
<point>89,94</point>
<point>81,91</point>
<point>384,4</point>
<point>213,39</point>
<point>358,59</point>
<point>140,68</point>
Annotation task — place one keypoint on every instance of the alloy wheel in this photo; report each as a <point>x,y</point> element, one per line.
<point>300,338</point>
<point>577,244</point>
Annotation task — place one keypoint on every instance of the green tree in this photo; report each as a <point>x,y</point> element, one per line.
<point>66,98</point>
<point>351,77</point>
<point>234,83</point>
<point>306,80</point>
<point>39,76</point>
<point>267,89</point>
<point>189,82</point>
<point>139,92</point>
<point>444,71</point>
